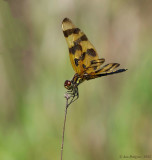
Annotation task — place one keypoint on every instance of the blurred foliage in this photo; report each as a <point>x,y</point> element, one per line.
<point>113,115</point>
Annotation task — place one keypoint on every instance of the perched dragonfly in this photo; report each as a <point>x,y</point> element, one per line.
<point>84,59</point>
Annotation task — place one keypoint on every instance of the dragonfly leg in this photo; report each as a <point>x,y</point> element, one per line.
<point>70,92</point>
<point>74,95</point>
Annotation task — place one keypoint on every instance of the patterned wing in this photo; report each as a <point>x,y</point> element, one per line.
<point>83,55</point>
<point>108,69</point>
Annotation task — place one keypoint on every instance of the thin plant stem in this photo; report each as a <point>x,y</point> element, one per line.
<point>67,97</point>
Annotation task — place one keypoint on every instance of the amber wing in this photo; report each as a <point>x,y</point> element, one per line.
<point>83,55</point>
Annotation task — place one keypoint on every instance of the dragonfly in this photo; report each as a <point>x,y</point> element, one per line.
<point>84,59</point>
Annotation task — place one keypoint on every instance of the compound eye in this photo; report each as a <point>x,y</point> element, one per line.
<point>67,83</point>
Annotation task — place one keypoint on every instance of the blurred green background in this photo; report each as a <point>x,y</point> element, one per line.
<point>112,117</point>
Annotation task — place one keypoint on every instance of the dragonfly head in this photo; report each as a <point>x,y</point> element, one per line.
<point>68,84</point>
